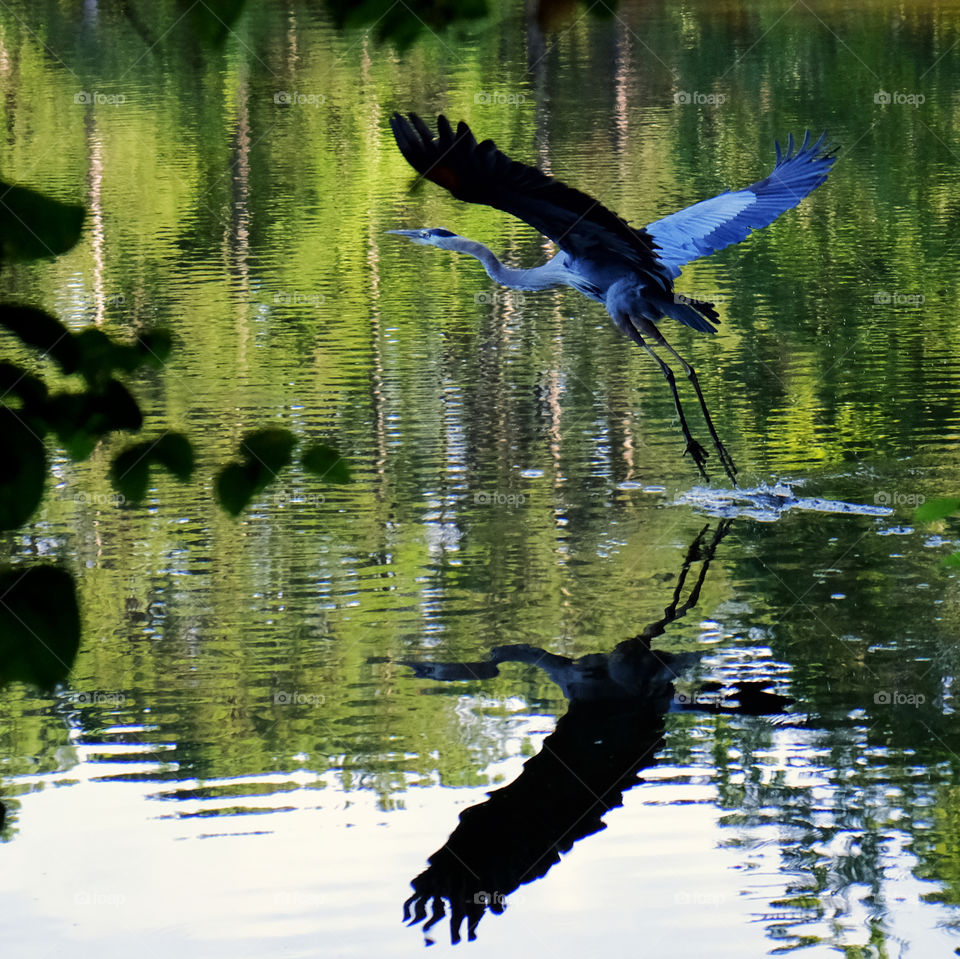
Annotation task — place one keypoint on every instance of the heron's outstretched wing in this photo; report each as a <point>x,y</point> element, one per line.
<point>480,173</point>
<point>712,224</point>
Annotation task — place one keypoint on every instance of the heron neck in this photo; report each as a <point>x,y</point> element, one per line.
<point>536,278</point>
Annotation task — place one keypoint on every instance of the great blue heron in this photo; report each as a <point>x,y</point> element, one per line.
<point>630,271</point>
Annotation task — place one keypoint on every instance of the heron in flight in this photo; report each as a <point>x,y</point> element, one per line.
<point>630,271</point>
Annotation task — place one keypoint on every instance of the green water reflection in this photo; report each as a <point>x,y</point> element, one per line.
<point>516,464</point>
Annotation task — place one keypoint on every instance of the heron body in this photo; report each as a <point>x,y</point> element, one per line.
<point>631,271</point>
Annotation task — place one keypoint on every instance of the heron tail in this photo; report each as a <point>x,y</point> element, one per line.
<point>699,314</point>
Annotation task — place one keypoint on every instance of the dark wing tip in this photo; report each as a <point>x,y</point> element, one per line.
<point>425,132</point>
<point>828,151</point>
<point>817,151</point>
<point>481,173</point>
<point>439,158</point>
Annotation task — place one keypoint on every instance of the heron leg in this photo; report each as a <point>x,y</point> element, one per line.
<point>725,457</point>
<point>696,451</point>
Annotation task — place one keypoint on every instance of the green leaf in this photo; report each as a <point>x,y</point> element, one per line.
<point>270,448</point>
<point>237,484</point>
<point>43,332</point>
<point>33,225</point>
<point>130,472</point>
<point>154,347</point>
<point>80,419</point>
<point>173,450</point>
<point>935,509</point>
<point>99,355</point>
<point>952,561</point>
<point>39,625</point>
<point>29,389</point>
<point>80,444</point>
<point>68,414</point>
<point>327,463</point>
<point>23,469</point>
<point>119,408</point>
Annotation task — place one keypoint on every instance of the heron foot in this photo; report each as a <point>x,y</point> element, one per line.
<point>727,462</point>
<point>698,454</point>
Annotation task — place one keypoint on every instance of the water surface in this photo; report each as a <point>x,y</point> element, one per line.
<point>240,764</point>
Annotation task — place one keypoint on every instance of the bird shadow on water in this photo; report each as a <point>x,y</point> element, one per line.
<point>612,730</point>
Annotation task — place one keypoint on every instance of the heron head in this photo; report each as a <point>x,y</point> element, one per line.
<point>429,237</point>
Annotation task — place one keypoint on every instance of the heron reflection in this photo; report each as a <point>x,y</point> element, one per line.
<point>612,731</point>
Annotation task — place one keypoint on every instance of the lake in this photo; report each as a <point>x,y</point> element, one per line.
<point>243,762</point>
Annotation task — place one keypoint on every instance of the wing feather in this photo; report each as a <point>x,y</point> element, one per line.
<point>480,173</point>
<point>713,224</point>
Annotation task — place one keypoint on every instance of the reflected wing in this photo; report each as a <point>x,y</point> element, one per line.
<point>711,225</point>
<point>452,671</point>
<point>480,173</point>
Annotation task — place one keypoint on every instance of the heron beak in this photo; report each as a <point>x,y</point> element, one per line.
<point>407,233</point>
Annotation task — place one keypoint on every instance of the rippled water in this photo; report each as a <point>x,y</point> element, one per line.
<point>241,764</point>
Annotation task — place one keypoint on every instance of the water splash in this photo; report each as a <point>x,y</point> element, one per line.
<point>768,503</point>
